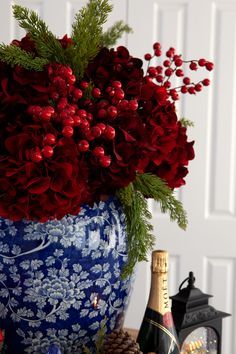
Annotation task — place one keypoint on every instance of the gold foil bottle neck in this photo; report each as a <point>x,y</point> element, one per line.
<point>160,261</point>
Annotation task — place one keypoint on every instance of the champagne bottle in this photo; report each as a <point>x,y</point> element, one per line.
<point>157,333</point>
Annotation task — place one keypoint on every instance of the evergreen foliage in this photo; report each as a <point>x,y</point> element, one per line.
<point>87,37</point>
<point>13,55</point>
<point>186,122</point>
<point>100,339</point>
<point>47,44</point>
<point>140,240</point>
<point>138,217</point>
<point>111,36</point>
<point>87,33</point>
<point>154,187</point>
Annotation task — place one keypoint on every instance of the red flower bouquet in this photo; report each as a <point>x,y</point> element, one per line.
<point>79,121</point>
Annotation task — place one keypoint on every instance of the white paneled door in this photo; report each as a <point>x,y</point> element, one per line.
<point>197,28</point>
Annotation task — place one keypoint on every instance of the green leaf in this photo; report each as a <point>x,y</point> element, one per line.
<point>140,240</point>
<point>100,339</point>
<point>13,55</point>
<point>47,44</point>
<point>86,350</point>
<point>138,218</point>
<point>87,34</point>
<point>87,37</point>
<point>186,122</point>
<point>101,336</point>
<point>111,36</point>
<point>154,187</point>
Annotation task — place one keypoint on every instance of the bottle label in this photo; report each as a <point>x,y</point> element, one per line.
<point>157,333</point>
<point>164,290</point>
<point>159,299</point>
<point>166,332</point>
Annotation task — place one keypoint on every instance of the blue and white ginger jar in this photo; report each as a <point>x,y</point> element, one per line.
<point>61,278</point>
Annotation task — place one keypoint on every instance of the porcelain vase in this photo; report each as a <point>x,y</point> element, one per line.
<point>61,278</point>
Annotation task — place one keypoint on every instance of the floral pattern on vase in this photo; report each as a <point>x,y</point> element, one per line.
<point>60,279</point>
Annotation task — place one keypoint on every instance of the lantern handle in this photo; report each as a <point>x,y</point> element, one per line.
<point>191,280</point>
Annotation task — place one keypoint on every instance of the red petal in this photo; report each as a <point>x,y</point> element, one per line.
<point>11,144</point>
<point>38,185</point>
<point>128,137</point>
<point>40,88</point>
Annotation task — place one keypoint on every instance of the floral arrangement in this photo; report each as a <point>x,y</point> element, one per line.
<point>80,121</point>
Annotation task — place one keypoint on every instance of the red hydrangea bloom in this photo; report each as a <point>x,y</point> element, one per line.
<point>167,148</point>
<point>65,41</point>
<point>42,191</point>
<point>111,65</point>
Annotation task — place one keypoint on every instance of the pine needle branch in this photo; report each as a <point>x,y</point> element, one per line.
<point>154,187</point>
<point>47,44</point>
<point>87,33</point>
<point>13,55</point>
<point>111,36</point>
<point>100,339</point>
<point>186,122</point>
<point>140,240</point>
<point>101,336</point>
<point>86,350</point>
<point>133,198</point>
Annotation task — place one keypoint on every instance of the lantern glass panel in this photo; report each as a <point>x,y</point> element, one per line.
<point>201,341</point>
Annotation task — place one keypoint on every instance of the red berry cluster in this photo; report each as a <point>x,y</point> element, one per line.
<point>87,121</point>
<point>173,66</point>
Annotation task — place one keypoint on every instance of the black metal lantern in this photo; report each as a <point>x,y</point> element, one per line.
<point>198,325</point>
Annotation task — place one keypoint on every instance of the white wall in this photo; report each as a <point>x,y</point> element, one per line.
<point>197,28</point>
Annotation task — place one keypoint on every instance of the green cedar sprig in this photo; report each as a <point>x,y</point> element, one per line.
<point>48,46</point>
<point>101,336</point>
<point>154,187</point>
<point>111,36</point>
<point>86,350</point>
<point>138,218</point>
<point>87,34</point>
<point>139,237</point>
<point>100,339</point>
<point>13,55</point>
<point>186,123</point>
